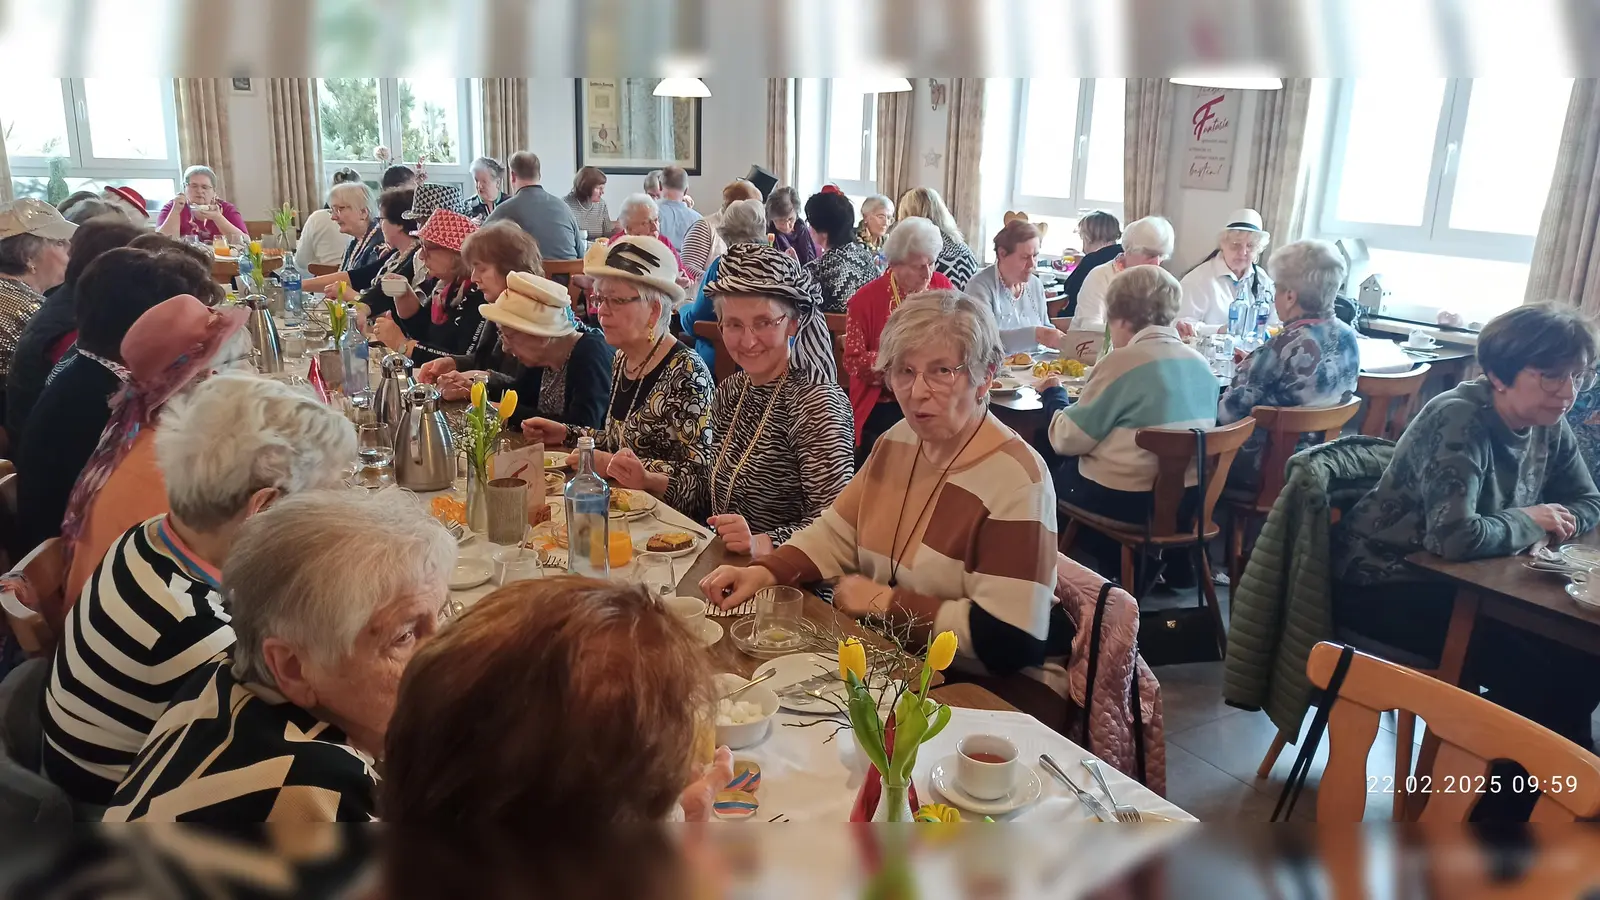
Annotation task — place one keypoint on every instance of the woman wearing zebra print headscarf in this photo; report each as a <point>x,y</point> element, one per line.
<point>783,436</point>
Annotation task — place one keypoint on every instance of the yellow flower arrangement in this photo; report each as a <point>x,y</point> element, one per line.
<point>916,719</point>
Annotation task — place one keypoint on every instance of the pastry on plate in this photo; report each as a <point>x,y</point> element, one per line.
<point>1019,359</point>
<point>621,500</point>
<point>669,542</point>
<point>554,482</point>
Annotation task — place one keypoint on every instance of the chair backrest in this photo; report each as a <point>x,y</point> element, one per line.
<point>836,322</point>
<point>1285,425</point>
<point>1055,307</point>
<point>838,363</point>
<point>1175,452</point>
<point>313,269</point>
<point>258,228</point>
<point>1472,732</point>
<point>1399,390</point>
<point>562,270</point>
<point>723,365</point>
<point>45,571</point>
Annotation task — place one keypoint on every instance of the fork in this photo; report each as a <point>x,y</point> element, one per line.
<point>1124,813</point>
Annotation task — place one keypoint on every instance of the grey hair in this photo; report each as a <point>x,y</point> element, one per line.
<point>653,179</point>
<point>744,221</point>
<point>233,355</point>
<point>368,200</point>
<point>490,165</point>
<point>1143,296</point>
<point>235,434</point>
<point>89,208</point>
<point>1149,236</point>
<point>200,170</point>
<point>876,202</point>
<point>313,569</point>
<point>1313,270</point>
<point>914,235</point>
<point>635,202</point>
<point>943,315</point>
<point>1258,239</point>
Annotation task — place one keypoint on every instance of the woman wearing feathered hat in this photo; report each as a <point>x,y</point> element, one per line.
<point>658,413</point>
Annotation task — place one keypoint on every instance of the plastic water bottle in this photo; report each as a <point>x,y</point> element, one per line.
<point>354,355</point>
<point>588,504</point>
<point>293,299</point>
<point>1240,318</point>
<point>1262,317</point>
<point>245,266</point>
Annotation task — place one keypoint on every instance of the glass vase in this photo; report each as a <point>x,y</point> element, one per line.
<point>477,499</point>
<point>894,803</point>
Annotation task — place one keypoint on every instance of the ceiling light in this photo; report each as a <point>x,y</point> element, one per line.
<point>888,85</point>
<point>1233,83</point>
<point>682,87</point>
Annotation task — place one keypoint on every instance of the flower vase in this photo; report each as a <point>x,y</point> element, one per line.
<point>477,499</point>
<point>879,800</point>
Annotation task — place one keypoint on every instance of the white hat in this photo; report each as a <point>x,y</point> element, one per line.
<point>532,305</point>
<point>35,217</point>
<point>641,259</point>
<point>1244,220</point>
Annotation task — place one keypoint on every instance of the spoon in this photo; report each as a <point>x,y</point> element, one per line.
<point>748,685</point>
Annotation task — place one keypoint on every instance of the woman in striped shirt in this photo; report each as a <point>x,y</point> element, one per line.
<point>588,204</point>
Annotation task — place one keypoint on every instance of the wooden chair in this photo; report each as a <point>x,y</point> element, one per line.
<point>45,570</point>
<point>1285,426</point>
<point>838,363</point>
<point>1175,452</point>
<point>1472,733</point>
<point>724,365</point>
<point>258,228</point>
<point>318,269</point>
<point>837,322</point>
<point>562,270</point>
<point>1054,308</point>
<point>1400,390</point>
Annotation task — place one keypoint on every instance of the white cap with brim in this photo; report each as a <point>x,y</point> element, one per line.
<point>640,259</point>
<point>35,217</point>
<point>1244,220</point>
<point>532,305</point>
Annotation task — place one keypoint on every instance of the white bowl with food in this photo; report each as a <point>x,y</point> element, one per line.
<point>746,719</point>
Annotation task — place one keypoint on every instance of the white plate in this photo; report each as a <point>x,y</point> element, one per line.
<point>1025,792</point>
<point>554,460</point>
<point>1579,555</point>
<point>1431,345</point>
<point>1584,595</point>
<point>710,631</point>
<point>469,573</point>
<point>798,667</point>
<point>646,501</point>
<point>675,554</point>
<point>1005,385</point>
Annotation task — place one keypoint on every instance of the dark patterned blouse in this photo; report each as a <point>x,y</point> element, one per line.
<point>841,272</point>
<point>956,263</point>
<point>664,417</point>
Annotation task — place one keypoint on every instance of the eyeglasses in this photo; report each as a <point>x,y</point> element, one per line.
<point>939,378</point>
<point>603,300</point>
<point>1581,380</point>
<point>761,328</point>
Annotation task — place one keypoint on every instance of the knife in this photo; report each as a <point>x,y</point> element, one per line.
<point>1095,807</point>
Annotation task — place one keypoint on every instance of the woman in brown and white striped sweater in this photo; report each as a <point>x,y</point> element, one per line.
<point>950,525</point>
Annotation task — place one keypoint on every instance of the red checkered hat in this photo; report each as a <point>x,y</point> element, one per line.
<point>447,228</point>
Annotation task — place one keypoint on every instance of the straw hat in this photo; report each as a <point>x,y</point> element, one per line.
<point>640,259</point>
<point>532,305</point>
<point>35,217</point>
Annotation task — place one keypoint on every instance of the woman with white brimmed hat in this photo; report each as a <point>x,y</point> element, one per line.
<point>566,372</point>
<point>34,240</point>
<point>1231,270</point>
<point>658,412</point>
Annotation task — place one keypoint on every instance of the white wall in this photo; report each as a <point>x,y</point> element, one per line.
<point>1198,215</point>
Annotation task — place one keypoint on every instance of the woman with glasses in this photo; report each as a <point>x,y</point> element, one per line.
<point>950,526</point>
<point>1488,468</point>
<point>782,447</point>
<point>911,248</point>
<point>658,414</point>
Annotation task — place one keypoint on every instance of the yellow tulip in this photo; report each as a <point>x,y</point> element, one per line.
<point>852,659</point>
<point>942,651</point>
<point>508,405</point>
<point>255,247</point>
<point>477,394</point>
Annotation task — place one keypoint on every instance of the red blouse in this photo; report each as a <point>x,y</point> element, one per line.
<point>868,312</point>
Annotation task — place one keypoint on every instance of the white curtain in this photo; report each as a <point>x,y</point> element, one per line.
<point>780,116</point>
<point>963,154</point>
<point>1147,144</point>
<point>1280,179</point>
<point>296,143</point>
<point>1566,252</point>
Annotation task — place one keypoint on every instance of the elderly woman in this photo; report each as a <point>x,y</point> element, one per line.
<point>1153,380</point>
<point>560,373</point>
<point>321,242</point>
<point>588,204</point>
<point>955,260</point>
<point>1145,242</point>
<point>950,526</point>
<point>449,322</point>
<point>1228,273</point>
<point>400,236</point>
<point>652,183</point>
<point>1314,361</point>
<point>354,210</point>
<point>787,231</point>
<point>704,242</point>
<point>112,294</point>
<point>152,614</point>
<point>641,217</point>
<point>658,415</point>
<point>491,253</point>
<point>51,332</point>
<point>34,250</point>
<point>1014,294</point>
<point>846,264</point>
<point>1100,234</point>
<point>530,664</point>
<point>769,311</point>
<point>740,222</point>
<point>488,184</point>
<point>877,212</point>
<point>286,728</point>
<point>169,351</point>
<point>911,249</point>
<point>199,212</point>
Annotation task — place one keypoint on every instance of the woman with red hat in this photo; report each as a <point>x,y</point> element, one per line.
<point>448,322</point>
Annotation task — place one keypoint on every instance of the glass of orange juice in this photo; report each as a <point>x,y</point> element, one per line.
<point>621,549</point>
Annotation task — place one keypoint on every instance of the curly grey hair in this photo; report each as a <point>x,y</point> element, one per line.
<point>913,236</point>
<point>943,315</point>
<point>744,221</point>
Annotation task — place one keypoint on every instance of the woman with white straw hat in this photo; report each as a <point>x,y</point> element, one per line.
<point>1230,271</point>
<point>658,412</point>
<point>566,373</point>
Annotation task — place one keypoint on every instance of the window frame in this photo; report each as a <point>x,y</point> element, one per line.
<point>1077,205</point>
<point>81,163</point>
<point>391,129</point>
<point>818,147</point>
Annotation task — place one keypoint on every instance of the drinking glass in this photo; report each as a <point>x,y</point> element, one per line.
<point>654,571</point>
<point>508,510</point>
<point>375,456</point>
<point>293,341</point>
<point>778,611</point>
<point>515,564</point>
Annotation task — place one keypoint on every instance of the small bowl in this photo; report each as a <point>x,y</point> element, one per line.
<point>394,285</point>
<point>1004,384</point>
<point>735,737</point>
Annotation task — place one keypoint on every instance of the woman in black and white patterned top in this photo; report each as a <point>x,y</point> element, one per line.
<point>784,445</point>
<point>955,260</point>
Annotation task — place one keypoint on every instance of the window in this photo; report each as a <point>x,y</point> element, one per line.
<point>1445,180</point>
<point>843,149</point>
<point>69,134</point>
<point>1057,147</point>
<point>412,117</point>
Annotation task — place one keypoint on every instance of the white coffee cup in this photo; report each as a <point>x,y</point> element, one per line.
<point>986,766</point>
<point>395,285</point>
<point>1419,338</point>
<point>692,610</point>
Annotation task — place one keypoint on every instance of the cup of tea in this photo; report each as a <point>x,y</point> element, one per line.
<point>394,285</point>
<point>690,609</point>
<point>986,766</point>
<point>1419,338</point>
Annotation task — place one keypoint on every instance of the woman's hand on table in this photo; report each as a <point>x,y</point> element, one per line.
<point>729,586</point>
<point>544,431</point>
<point>699,798</point>
<point>1185,328</point>
<point>735,533</point>
<point>858,596</point>
<point>1048,382</point>
<point>624,468</point>
<point>1048,337</point>
<point>456,385</point>
<point>431,370</point>
<point>1555,519</point>
<point>389,334</point>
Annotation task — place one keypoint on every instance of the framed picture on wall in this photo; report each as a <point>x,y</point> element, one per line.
<point>623,128</point>
<point>243,85</point>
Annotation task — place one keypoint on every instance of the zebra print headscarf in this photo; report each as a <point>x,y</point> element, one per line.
<point>763,270</point>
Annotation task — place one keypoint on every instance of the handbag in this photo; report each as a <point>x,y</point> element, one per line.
<point>1183,634</point>
<point>1133,688</point>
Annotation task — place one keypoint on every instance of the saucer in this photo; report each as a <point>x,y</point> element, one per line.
<point>1024,793</point>
<point>1584,596</point>
<point>469,573</point>
<point>710,632</point>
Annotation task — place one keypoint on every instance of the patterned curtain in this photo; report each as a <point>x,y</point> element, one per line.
<point>296,143</point>
<point>779,116</point>
<point>505,117</point>
<point>963,149</point>
<point>1151,104</point>
<point>1280,180</point>
<point>6,195</point>
<point>895,170</point>
<point>1566,253</point>
<point>202,106</point>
